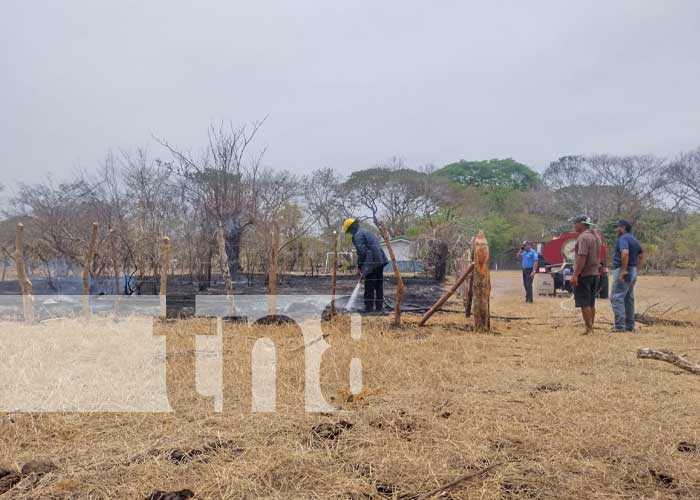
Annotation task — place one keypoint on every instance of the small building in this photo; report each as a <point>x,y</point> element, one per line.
<point>404,249</point>
<point>405,252</point>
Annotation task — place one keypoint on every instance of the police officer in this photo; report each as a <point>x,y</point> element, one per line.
<point>528,257</point>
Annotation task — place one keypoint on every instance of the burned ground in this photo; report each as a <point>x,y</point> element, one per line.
<point>563,416</point>
<point>419,293</point>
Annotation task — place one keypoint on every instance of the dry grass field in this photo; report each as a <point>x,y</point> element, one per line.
<point>558,414</point>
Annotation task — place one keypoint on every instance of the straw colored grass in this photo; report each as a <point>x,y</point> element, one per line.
<point>569,416</point>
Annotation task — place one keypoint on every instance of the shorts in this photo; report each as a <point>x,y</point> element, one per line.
<point>585,292</point>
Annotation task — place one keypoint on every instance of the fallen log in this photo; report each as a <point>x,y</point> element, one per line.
<point>669,357</point>
<point>446,295</point>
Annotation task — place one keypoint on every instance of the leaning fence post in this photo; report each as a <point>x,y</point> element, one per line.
<point>164,268</point>
<point>86,269</point>
<point>397,272</point>
<point>24,283</point>
<point>441,301</point>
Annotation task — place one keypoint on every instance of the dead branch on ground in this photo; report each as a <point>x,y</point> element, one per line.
<point>447,486</point>
<point>649,317</point>
<point>669,357</point>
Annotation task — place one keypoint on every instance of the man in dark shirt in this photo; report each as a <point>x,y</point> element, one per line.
<point>628,256</point>
<point>586,272</point>
<point>370,263</point>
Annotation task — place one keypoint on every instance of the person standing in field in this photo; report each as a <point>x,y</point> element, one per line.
<point>370,264</point>
<point>628,256</point>
<point>586,269</point>
<point>528,258</point>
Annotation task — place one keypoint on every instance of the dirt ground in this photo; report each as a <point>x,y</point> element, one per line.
<point>558,415</point>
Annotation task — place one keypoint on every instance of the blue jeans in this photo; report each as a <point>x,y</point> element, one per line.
<point>527,283</point>
<point>622,299</point>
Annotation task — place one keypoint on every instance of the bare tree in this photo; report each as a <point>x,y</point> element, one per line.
<point>604,186</point>
<point>396,194</point>
<point>278,203</point>
<point>152,206</point>
<point>633,182</point>
<point>59,217</point>
<point>324,198</point>
<point>683,177</point>
<point>222,182</point>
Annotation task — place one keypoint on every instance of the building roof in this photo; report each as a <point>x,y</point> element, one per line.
<point>397,240</point>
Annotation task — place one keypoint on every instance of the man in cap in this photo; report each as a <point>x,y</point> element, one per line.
<point>370,263</point>
<point>628,256</point>
<point>586,269</point>
<point>528,258</point>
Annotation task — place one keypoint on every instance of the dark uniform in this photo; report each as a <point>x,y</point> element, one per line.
<point>371,261</point>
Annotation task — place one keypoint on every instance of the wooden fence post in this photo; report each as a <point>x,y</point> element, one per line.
<point>115,269</point>
<point>24,283</point>
<point>334,272</point>
<point>115,260</point>
<point>164,269</point>
<point>223,260</point>
<point>397,272</point>
<point>92,248</point>
<point>272,268</point>
<point>469,284</point>
<point>482,284</point>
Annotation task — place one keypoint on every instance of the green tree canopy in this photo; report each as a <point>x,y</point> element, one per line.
<point>396,194</point>
<point>506,173</point>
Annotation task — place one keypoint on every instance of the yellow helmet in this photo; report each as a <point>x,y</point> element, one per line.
<point>348,222</point>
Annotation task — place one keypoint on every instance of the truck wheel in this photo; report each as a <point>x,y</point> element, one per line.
<point>604,287</point>
<point>558,282</point>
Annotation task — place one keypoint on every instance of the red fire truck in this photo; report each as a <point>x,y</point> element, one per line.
<point>556,265</point>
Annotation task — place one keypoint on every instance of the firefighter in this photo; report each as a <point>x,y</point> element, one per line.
<point>370,264</point>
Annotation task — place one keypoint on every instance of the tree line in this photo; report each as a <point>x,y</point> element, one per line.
<point>144,194</point>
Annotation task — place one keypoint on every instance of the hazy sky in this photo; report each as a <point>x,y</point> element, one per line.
<point>347,84</point>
